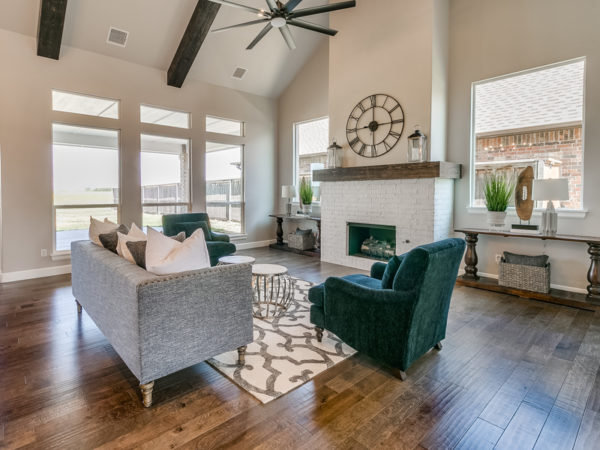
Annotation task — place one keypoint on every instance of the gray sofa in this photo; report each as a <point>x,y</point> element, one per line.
<point>161,324</point>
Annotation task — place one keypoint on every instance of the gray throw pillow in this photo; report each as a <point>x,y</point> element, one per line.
<point>138,249</point>
<point>526,260</point>
<point>110,240</point>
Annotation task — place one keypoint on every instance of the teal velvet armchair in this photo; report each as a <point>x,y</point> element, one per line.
<point>399,312</point>
<point>217,243</point>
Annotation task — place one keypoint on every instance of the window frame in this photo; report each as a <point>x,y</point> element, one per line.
<point>242,202</point>
<point>188,204</point>
<point>472,208</point>
<point>61,254</point>
<point>296,155</point>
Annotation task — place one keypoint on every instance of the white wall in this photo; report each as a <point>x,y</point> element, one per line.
<point>490,38</point>
<point>26,81</point>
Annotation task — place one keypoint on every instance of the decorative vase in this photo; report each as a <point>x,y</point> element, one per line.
<point>496,220</point>
<point>307,209</point>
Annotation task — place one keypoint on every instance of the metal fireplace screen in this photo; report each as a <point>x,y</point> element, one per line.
<point>371,241</point>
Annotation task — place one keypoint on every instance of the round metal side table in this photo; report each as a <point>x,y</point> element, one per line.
<point>236,259</point>
<point>273,290</point>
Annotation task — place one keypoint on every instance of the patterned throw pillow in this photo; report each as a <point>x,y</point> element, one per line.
<point>110,240</point>
<point>138,249</point>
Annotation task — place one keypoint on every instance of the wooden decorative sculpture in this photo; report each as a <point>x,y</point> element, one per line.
<point>523,199</point>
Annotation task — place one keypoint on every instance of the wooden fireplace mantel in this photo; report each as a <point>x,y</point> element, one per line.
<point>433,169</point>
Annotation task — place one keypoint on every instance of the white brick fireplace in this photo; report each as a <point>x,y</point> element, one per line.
<point>419,208</point>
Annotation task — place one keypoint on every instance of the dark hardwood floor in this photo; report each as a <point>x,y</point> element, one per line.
<point>513,374</point>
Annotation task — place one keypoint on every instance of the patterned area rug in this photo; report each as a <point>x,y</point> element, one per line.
<point>285,353</point>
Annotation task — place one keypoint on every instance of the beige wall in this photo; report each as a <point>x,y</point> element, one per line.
<point>26,81</point>
<point>490,38</point>
<point>389,48</point>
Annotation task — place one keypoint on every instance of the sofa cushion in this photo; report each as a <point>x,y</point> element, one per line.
<point>189,227</point>
<point>98,227</point>
<point>137,249</point>
<point>390,272</point>
<point>110,240</point>
<point>166,256</point>
<point>135,234</point>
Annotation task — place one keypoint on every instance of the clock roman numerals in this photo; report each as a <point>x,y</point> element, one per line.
<point>371,130</point>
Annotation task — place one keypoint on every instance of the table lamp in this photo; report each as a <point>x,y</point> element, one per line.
<point>288,192</point>
<point>550,190</point>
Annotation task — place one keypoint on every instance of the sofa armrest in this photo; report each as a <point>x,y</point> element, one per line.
<point>377,320</point>
<point>222,237</point>
<point>187,318</point>
<point>377,270</point>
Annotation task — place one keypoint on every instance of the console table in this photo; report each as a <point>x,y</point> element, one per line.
<point>280,245</point>
<point>590,302</point>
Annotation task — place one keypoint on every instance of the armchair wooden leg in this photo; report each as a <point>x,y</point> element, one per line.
<point>319,331</point>
<point>241,355</point>
<point>79,308</point>
<point>147,393</point>
<point>401,374</point>
<point>439,346</point>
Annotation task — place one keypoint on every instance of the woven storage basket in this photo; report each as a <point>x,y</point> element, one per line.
<point>529,278</point>
<point>301,241</point>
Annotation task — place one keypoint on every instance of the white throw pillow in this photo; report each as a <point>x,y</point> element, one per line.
<point>165,255</point>
<point>135,234</point>
<point>97,228</point>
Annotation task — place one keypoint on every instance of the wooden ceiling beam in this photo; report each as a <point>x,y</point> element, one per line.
<point>195,33</point>
<point>50,27</point>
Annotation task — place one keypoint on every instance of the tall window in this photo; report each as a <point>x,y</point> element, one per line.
<point>165,177</point>
<point>532,118</point>
<point>225,187</point>
<point>310,150</point>
<point>86,180</point>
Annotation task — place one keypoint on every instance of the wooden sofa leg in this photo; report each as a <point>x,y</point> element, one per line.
<point>401,374</point>
<point>147,393</point>
<point>319,331</point>
<point>439,346</point>
<point>79,308</point>
<point>241,355</point>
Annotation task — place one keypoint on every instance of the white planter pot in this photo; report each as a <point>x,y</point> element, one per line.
<point>496,219</point>
<point>307,209</point>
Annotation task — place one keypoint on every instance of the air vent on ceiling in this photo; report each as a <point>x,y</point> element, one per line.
<point>239,73</point>
<point>117,37</point>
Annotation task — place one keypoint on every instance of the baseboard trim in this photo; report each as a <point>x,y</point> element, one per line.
<point>20,275</point>
<point>552,285</point>
<point>256,244</point>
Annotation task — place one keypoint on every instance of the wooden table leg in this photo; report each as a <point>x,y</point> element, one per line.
<point>593,274</point>
<point>319,235</point>
<point>471,257</point>
<point>279,230</point>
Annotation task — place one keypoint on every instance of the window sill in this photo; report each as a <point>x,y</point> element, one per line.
<point>511,212</point>
<point>238,237</point>
<point>61,256</point>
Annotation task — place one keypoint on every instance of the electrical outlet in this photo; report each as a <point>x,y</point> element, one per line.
<point>44,253</point>
<point>498,258</point>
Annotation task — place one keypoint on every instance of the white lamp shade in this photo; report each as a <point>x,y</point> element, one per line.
<point>288,191</point>
<point>557,189</point>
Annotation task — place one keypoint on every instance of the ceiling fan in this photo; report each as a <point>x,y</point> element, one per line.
<point>280,16</point>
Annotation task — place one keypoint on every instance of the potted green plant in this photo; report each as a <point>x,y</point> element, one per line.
<point>306,195</point>
<point>498,190</point>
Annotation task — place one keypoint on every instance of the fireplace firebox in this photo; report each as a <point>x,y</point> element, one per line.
<point>371,241</point>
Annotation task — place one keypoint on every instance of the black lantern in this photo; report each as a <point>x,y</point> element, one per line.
<point>417,146</point>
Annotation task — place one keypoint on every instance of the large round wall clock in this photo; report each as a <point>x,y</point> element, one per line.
<point>375,125</point>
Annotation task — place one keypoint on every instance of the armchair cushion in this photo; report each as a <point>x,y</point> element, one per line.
<point>391,269</point>
<point>189,227</point>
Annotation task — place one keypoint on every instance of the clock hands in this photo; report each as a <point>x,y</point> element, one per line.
<point>379,124</point>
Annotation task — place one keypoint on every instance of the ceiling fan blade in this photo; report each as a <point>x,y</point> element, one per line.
<point>291,4</point>
<point>260,12</point>
<point>272,5</point>
<point>245,24</point>
<point>322,9</point>
<point>260,35</point>
<point>287,36</point>
<point>311,26</point>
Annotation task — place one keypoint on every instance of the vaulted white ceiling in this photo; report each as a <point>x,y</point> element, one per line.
<point>155,29</point>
